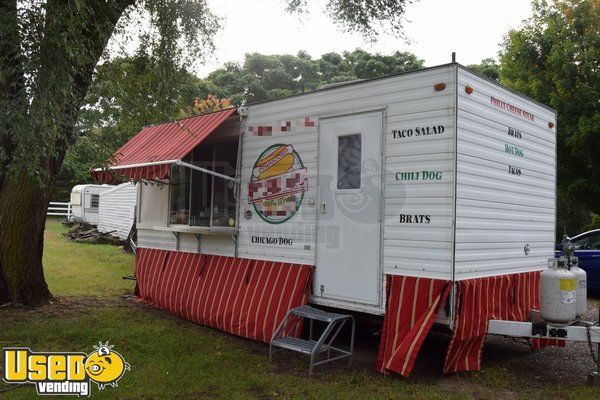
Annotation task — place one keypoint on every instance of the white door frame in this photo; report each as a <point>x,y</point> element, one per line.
<point>346,304</point>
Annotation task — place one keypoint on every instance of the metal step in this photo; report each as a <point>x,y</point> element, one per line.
<point>313,346</point>
<point>297,344</point>
<point>316,314</point>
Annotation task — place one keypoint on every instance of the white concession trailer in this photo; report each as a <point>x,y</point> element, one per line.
<point>413,174</point>
<point>440,177</point>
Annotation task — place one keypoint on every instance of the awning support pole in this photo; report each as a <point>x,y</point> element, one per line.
<point>177,162</point>
<point>206,171</point>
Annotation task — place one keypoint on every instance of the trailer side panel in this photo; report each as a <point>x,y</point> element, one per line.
<point>417,176</point>
<point>117,209</point>
<point>506,179</point>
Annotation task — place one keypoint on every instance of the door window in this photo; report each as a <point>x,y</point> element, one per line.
<point>349,161</point>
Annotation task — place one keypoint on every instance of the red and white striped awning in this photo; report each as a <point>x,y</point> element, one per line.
<point>150,153</point>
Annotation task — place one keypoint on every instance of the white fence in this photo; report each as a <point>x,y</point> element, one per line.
<point>59,209</point>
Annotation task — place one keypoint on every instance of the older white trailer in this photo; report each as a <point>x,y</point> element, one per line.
<point>85,202</point>
<point>116,212</point>
<point>425,196</point>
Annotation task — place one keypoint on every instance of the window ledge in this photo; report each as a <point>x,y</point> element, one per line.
<point>201,230</point>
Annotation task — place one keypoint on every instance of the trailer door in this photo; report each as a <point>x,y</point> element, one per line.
<point>348,249</point>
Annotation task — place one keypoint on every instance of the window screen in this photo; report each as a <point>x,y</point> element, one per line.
<point>201,199</point>
<point>349,160</point>
<point>223,190</point>
<point>95,200</point>
<point>180,195</point>
<point>202,186</point>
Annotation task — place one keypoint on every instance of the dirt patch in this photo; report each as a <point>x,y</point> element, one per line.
<point>505,358</point>
<point>65,306</point>
<point>554,365</point>
<point>507,362</point>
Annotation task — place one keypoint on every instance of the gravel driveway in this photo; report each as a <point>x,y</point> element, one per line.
<point>512,358</point>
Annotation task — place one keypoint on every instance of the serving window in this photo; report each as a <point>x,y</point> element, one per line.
<point>198,198</point>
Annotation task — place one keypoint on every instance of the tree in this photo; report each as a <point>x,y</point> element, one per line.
<point>330,66</point>
<point>124,95</point>
<point>488,67</point>
<point>365,65</point>
<point>554,59</point>
<point>265,77</point>
<point>47,58</point>
<point>363,16</point>
<point>48,53</point>
<point>210,104</point>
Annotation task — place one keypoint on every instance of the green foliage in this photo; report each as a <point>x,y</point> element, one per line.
<point>488,67</point>
<point>368,17</point>
<point>130,92</point>
<point>593,224</point>
<point>52,49</point>
<point>126,94</point>
<point>554,59</point>
<point>48,53</point>
<point>265,77</point>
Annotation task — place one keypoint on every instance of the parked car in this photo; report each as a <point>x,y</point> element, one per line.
<point>587,249</point>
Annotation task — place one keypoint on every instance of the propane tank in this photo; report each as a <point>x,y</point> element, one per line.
<point>581,278</point>
<point>572,264</point>
<point>557,293</point>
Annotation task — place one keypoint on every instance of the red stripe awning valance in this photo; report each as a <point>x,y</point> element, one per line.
<point>149,172</point>
<point>146,155</point>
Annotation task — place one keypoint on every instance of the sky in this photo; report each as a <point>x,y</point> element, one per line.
<point>435,28</point>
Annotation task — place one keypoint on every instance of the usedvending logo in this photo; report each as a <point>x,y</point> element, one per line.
<point>64,373</point>
<point>277,185</point>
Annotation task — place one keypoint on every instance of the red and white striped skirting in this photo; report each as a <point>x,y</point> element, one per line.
<point>249,298</point>
<point>506,297</point>
<point>244,297</point>
<point>413,303</point>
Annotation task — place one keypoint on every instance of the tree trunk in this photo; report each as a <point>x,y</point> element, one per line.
<point>23,208</point>
<point>36,127</point>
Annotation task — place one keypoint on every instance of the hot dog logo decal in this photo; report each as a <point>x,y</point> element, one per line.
<point>277,185</point>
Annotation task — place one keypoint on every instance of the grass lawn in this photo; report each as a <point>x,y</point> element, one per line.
<point>172,358</point>
<point>83,269</point>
